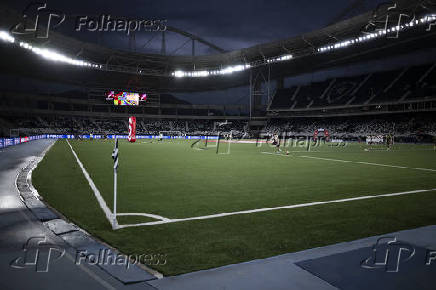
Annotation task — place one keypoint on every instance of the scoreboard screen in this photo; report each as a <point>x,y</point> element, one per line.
<point>125,98</point>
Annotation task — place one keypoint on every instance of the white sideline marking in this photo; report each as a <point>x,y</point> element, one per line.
<point>426,169</point>
<point>327,159</point>
<point>155,216</point>
<point>276,208</point>
<point>94,188</point>
<point>369,163</point>
<point>385,165</point>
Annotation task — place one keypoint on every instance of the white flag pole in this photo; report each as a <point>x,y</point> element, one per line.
<point>114,224</point>
<point>115,157</point>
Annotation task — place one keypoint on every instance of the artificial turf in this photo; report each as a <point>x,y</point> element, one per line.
<point>175,180</point>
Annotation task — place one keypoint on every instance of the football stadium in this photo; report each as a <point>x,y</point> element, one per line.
<point>218,145</point>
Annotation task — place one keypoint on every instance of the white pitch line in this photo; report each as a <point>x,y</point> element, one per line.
<point>425,169</point>
<point>155,216</point>
<point>94,188</point>
<point>327,159</point>
<point>276,208</point>
<point>384,165</point>
<point>369,163</point>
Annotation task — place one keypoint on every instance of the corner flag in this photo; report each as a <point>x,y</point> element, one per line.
<point>115,157</point>
<point>115,154</point>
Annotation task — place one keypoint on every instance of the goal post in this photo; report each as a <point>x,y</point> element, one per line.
<point>226,138</point>
<point>379,142</point>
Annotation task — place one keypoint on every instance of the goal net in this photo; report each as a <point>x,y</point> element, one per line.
<point>379,142</point>
<point>224,141</point>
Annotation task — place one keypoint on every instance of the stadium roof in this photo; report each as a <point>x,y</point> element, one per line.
<point>155,72</point>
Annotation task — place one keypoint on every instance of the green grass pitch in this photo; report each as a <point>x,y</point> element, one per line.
<point>175,180</point>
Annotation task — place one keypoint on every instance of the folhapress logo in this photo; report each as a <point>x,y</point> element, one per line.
<point>391,17</point>
<point>38,20</point>
<point>388,254</point>
<point>38,254</point>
